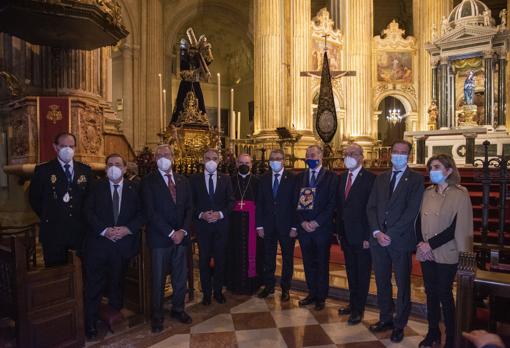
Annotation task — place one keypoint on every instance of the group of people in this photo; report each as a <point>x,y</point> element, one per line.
<point>239,220</point>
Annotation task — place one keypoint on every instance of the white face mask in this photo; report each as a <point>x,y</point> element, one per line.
<point>164,164</point>
<point>66,154</point>
<point>350,162</point>
<point>211,166</point>
<point>114,173</point>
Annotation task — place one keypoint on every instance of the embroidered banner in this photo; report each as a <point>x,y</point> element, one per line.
<point>54,118</point>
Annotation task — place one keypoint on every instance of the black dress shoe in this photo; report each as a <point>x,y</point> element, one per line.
<point>265,292</point>
<point>206,300</point>
<point>307,300</point>
<point>433,338</point>
<point>319,305</point>
<point>219,298</point>
<point>381,326</point>
<point>397,335</point>
<point>91,333</point>
<point>354,319</point>
<point>344,310</point>
<point>285,296</point>
<point>156,326</point>
<point>183,317</point>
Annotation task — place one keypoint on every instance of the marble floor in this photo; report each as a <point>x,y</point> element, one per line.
<point>246,322</point>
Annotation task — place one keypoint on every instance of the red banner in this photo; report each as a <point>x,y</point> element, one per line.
<point>53,116</point>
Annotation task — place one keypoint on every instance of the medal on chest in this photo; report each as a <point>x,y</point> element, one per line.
<point>66,198</point>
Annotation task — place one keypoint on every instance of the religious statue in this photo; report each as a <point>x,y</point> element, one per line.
<point>469,88</point>
<point>502,16</point>
<point>445,25</point>
<point>195,56</point>
<point>487,18</point>
<point>433,113</point>
<point>434,32</point>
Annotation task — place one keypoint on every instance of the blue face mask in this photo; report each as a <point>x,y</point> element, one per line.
<point>276,166</point>
<point>399,161</point>
<point>312,163</point>
<point>437,177</point>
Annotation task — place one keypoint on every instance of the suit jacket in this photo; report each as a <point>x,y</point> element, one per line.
<point>161,212</point>
<point>47,189</point>
<point>351,217</point>
<point>396,216</point>
<point>276,214</point>
<point>223,199</point>
<point>99,213</point>
<point>324,204</point>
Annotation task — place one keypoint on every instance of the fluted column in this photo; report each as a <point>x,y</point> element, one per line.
<point>427,14</point>
<point>489,92</point>
<point>151,65</point>
<point>127,93</point>
<point>502,92</point>
<point>268,70</point>
<point>300,106</point>
<point>358,50</point>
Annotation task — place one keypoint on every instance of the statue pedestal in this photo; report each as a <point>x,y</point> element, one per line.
<point>467,117</point>
<point>463,144</point>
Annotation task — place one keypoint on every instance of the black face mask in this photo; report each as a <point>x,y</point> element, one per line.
<point>243,169</point>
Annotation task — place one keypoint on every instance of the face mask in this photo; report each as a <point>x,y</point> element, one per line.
<point>276,166</point>
<point>164,164</point>
<point>437,177</point>
<point>350,162</point>
<point>243,169</point>
<point>66,154</point>
<point>399,161</point>
<point>114,173</point>
<point>211,166</point>
<point>312,163</point>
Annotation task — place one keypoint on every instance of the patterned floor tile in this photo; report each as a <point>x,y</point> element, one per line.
<point>341,333</point>
<point>260,338</point>
<point>294,317</point>
<point>407,342</point>
<point>176,341</point>
<point>213,340</point>
<point>253,321</point>
<point>218,323</point>
<point>252,305</point>
<point>304,336</point>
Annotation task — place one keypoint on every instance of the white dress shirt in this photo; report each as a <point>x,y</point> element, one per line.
<point>354,173</point>
<point>316,170</point>
<point>71,166</point>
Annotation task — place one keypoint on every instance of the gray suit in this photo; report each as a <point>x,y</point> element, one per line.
<point>394,216</point>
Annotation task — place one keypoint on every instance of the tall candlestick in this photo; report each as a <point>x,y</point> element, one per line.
<point>232,116</point>
<point>164,110</point>
<point>219,102</point>
<point>239,125</point>
<point>160,102</point>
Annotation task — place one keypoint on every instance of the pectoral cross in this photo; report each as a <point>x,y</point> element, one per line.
<point>335,74</point>
<point>242,204</point>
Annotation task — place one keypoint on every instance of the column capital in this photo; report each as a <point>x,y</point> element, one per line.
<point>434,61</point>
<point>443,61</point>
<point>488,54</point>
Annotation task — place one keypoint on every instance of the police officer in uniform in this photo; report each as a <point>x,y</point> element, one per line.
<point>56,194</point>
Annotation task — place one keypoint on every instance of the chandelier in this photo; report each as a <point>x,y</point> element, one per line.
<point>394,115</point>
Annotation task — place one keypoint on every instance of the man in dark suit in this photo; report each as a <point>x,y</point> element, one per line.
<point>167,203</point>
<point>353,230</point>
<point>213,200</point>
<point>114,215</point>
<point>275,218</point>
<point>392,209</point>
<point>57,191</point>
<point>315,188</point>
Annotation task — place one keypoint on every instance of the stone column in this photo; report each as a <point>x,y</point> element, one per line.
<point>268,66</point>
<point>127,93</point>
<point>443,94</point>
<point>434,94</point>
<point>426,14</point>
<point>358,53</point>
<point>502,93</point>
<point>488,94</point>
<point>151,65</point>
<point>300,105</point>
<point>337,10</point>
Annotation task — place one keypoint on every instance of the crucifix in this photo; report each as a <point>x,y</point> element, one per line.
<point>335,74</point>
<point>241,204</point>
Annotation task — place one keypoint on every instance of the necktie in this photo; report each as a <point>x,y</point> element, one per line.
<point>275,185</point>
<point>348,185</point>
<point>171,187</point>
<point>393,181</point>
<point>313,179</point>
<point>116,203</point>
<point>211,186</point>
<point>69,176</point>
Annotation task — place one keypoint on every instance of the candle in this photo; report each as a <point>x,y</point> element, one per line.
<point>232,116</point>
<point>164,110</point>
<point>239,125</point>
<point>219,102</point>
<point>160,102</point>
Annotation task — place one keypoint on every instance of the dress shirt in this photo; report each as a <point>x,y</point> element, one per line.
<point>316,170</point>
<point>354,173</point>
<point>71,166</point>
<point>215,180</point>
<point>165,178</point>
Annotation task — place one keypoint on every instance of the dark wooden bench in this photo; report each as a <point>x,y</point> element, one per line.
<point>46,304</point>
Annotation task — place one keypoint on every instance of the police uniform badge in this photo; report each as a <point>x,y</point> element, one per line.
<point>306,198</point>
